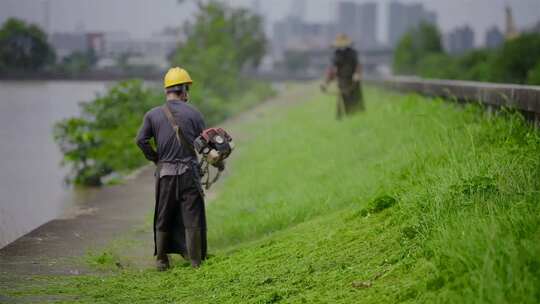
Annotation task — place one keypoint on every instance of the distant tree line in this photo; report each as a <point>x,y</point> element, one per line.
<point>420,52</point>
<point>24,47</point>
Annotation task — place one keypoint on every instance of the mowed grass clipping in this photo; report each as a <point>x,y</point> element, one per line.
<point>415,200</point>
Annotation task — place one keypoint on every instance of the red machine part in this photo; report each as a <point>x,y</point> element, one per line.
<point>208,134</point>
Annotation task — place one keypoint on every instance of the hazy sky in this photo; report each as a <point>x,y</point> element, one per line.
<point>141,18</point>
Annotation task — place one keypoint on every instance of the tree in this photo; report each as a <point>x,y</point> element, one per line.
<point>534,75</point>
<point>221,43</point>
<point>24,46</point>
<point>418,43</point>
<point>404,57</point>
<point>516,58</point>
<point>476,65</point>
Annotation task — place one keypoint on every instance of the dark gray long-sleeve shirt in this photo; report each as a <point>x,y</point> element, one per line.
<point>169,150</point>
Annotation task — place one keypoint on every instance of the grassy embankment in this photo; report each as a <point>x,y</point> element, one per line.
<point>415,200</point>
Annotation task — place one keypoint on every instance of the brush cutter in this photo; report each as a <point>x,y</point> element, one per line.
<point>215,145</point>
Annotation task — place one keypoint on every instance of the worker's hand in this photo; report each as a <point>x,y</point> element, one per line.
<point>357,77</point>
<point>323,87</point>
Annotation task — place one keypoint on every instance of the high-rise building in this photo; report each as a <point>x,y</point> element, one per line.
<point>298,9</point>
<point>67,43</point>
<point>494,37</point>
<point>285,32</point>
<point>346,18</point>
<point>256,7</point>
<point>430,17</point>
<point>358,21</point>
<point>460,40</point>
<point>535,28</point>
<point>367,25</point>
<point>403,17</point>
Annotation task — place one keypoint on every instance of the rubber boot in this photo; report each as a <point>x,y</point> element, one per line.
<point>194,246</point>
<point>162,260</point>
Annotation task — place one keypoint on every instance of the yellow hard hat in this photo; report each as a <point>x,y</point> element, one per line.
<point>341,41</point>
<point>176,76</point>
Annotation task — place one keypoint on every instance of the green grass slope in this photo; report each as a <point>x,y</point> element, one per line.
<point>415,200</point>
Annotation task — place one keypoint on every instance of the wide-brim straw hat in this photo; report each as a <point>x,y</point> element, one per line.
<point>342,41</point>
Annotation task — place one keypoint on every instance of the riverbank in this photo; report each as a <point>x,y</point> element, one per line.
<point>111,227</point>
<point>104,215</point>
<point>414,200</point>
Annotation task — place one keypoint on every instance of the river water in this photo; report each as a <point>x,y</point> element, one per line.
<point>32,189</point>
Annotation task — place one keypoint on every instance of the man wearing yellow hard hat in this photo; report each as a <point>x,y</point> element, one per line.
<point>347,70</point>
<point>179,217</point>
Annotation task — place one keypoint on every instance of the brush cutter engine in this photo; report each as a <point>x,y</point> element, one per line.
<point>215,145</point>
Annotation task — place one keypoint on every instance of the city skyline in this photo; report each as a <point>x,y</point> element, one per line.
<point>112,16</point>
<point>359,21</point>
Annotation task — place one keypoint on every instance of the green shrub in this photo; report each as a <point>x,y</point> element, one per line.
<point>516,58</point>
<point>100,141</point>
<point>439,66</point>
<point>476,65</point>
<point>418,43</point>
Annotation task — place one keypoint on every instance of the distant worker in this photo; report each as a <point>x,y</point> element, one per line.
<point>179,215</point>
<point>347,69</point>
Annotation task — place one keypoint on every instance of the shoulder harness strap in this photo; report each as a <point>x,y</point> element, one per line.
<point>177,130</point>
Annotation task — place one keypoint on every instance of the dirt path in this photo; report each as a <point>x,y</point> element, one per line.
<point>114,219</point>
